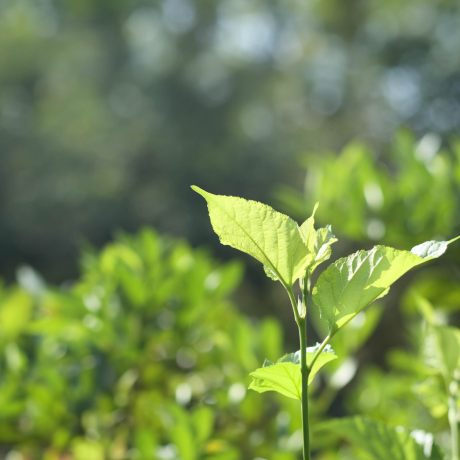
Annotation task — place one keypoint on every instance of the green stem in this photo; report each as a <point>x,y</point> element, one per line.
<point>319,351</point>
<point>305,374</point>
<point>301,319</point>
<point>294,305</point>
<point>452,415</point>
<point>302,323</point>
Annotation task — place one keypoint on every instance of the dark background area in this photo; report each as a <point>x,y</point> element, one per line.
<point>110,110</point>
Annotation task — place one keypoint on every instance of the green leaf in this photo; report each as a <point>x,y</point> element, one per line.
<point>15,313</point>
<point>383,442</point>
<point>184,439</point>
<point>352,283</point>
<point>269,272</point>
<point>257,229</point>
<point>285,375</point>
<point>203,423</point>
<point>432,249</point>
<point>423,305</point>
<point>441,349</point>
<point>432,394</point>
<point>319,241</point>
<point>307,231</point>
<point>87,450</point>
<point>324,240</point>
<point>145,442</point>
<point>270,337</point>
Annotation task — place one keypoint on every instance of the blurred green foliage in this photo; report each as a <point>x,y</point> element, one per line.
<point>412,193</point>
<point>143,357</point>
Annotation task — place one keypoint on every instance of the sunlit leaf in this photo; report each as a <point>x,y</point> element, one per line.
<point>318,241</point>
<point>353,282</point>
<point>285,375</point>
<point>257,229</point>
<point>431,249</point>
<point>322,248</point>
<point>307,230</point>
<point>383,442</point>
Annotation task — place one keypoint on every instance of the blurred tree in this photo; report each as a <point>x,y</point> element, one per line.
<point>109,110</point>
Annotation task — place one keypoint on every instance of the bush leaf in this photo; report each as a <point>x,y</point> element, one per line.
<point>285,375</point>
<point>383,442</point>
<point>441,350</point>
<point>257,229</point>
<point>352,283</point>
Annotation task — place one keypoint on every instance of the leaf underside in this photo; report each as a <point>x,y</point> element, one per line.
<point>383,442</point>
<point>257,229</point>
<point>352,283</point>
<point>285,375</point>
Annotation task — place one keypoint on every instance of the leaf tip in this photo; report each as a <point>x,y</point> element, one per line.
<point>200,191</point>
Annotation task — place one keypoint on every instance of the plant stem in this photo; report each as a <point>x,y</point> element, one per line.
<point>452,415</point>
<point>301,319</point>
<point>294,306</point>
<point>305,374</point>
<point>319,351</point>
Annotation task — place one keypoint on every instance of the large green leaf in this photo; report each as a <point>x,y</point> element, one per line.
<point>257,229</point>
<point>285,375</point>
<point>352,283</point>
<point>383,442</point>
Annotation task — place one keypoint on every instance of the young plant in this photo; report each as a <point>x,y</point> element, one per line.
<point>290,252</point>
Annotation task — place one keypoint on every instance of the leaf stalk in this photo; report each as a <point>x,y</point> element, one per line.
<point>305,369</point>
<point>319,351</point>
<point>294,305</point>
